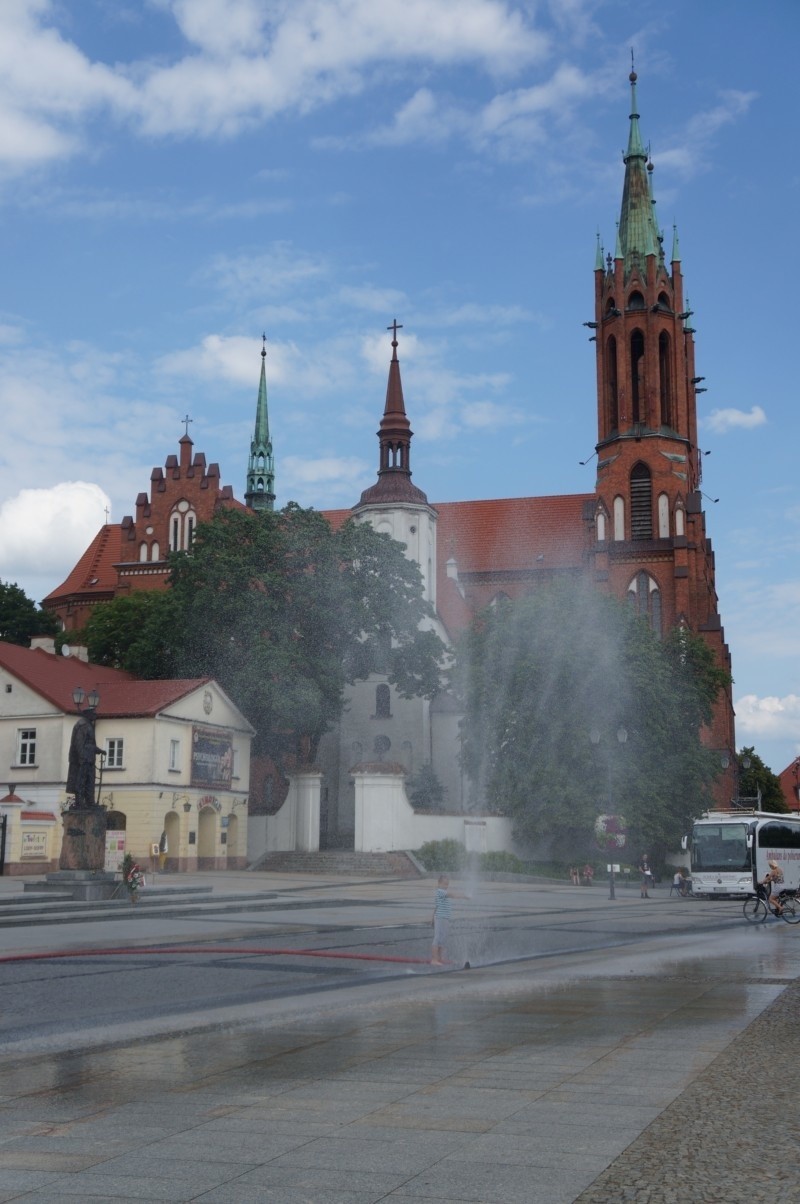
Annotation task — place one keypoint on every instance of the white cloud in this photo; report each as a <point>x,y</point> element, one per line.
<point>280,271</point>
<point>375,300</point>
<point>722,421</point>
<point>243,63</point>
<point>217,357</point>
<point>767,718</point>
<point>49,528</point>
<point>324,481</point>
<point>220,27</point>
<point>688,157</point>
<point>480,415</point>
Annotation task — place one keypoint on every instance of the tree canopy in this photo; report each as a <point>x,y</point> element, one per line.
<point>284,612</point>
<point>573,708</point>
<point>757,780</point>
<point>21,619</point>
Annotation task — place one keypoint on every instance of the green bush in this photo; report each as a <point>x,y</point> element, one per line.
<point>502,863</point>
<point>442,856</point>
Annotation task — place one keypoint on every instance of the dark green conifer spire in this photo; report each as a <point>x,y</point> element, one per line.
<point>260,493</point>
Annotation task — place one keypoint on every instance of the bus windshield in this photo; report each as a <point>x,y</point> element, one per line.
<point>720,847</point>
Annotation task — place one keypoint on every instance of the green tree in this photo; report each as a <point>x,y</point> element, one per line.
<point>284,613</point>
<point>21,619</point>
<point>756,778</point>
<point>549,682</point>
<point>425,791</point>
<point>134,632</point>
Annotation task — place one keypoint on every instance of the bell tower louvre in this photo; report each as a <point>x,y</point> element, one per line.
<point>651,545</point>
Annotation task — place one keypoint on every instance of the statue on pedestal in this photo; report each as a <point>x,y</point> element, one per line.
<point>82,753</point>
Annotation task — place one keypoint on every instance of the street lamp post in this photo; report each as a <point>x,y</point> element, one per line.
<point>622,738</point>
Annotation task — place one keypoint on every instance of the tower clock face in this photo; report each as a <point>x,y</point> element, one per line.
<point>208,702</point>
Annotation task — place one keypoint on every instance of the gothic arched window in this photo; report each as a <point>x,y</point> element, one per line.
<point>636,301</point>
<point>680,519</point>
<point>663,516</point>
<point>611,384</point>
<point>665,378</point>
<point>637,376</point>
<point>641,502</point>
<point>619,518</point>
<point>382,702</point>
<point>645,598</point>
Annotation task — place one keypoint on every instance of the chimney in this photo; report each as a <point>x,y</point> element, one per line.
<point>45,642</point>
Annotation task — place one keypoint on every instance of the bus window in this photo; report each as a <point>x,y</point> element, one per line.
<point>776,835</point>
<point>720,847</point>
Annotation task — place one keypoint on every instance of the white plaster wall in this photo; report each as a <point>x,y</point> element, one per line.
<point>385,821</point>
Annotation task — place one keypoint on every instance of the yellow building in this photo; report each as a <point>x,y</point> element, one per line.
<point>176,768</point>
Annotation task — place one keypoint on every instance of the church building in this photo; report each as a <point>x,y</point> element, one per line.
<point>639,536</point>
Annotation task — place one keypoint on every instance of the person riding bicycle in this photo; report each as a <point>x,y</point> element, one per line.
<point>773,885</point>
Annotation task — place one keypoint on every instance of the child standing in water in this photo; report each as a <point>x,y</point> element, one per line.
<point>442,912</point>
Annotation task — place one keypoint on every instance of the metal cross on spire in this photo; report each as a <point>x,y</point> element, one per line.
<point>264,345</point>
<point>395,326</point>
<point>186,420</point>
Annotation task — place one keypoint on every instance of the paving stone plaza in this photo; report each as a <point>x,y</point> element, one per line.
<point>632,1071</point>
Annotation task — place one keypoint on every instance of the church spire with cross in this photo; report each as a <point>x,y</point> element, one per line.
<point>394,439</point>
<point>260,492</point>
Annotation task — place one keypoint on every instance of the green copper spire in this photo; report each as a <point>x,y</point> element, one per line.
<point>598,258</point>
<point>676,249</point>
<point>638,230</point>
<point>260,493</point>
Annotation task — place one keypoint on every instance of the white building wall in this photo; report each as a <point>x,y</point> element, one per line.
<point>385,821</point>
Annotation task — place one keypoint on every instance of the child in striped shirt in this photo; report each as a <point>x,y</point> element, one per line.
<point>442,911</point>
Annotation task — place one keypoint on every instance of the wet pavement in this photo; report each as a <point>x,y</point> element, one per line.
<point>626,1069</point>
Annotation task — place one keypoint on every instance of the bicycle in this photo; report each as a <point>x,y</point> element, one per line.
<point>756,908</point>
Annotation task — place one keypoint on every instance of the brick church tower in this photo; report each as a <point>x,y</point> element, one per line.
<point>651,544</point>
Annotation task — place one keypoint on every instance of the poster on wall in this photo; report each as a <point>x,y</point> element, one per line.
<point>115,851</point>
<point>212,758</point>
<point>34,846</point>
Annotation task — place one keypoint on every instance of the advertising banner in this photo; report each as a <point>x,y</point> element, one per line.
<point>212,758</point>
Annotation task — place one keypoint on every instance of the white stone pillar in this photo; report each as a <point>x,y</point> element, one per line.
<point>306,789</point>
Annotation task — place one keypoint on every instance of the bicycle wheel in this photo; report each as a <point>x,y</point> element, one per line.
<point>791,912</point>
<point>754,910</point>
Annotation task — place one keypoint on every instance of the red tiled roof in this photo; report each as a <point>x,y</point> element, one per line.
<point>509,534</point>
<point>121,694</point>
<point>501,535</point>
<point>94,573</point>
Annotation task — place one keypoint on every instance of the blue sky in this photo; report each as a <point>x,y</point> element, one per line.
<point>177,176</point>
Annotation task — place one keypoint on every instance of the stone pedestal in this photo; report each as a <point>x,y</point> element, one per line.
<point>82,884</point>
<point>83,844</point>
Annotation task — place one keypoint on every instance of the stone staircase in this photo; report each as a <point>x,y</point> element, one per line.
<point>340,861</point>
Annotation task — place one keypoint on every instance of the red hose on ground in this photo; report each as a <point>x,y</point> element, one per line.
<point>165,952</point>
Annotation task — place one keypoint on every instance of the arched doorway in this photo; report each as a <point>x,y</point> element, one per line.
<point>172,827</point>
<point>207,839</point>
<point>233,842</point>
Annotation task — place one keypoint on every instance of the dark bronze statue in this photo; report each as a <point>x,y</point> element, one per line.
<point>82,753</point>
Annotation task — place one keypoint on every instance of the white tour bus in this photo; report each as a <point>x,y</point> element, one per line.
<point>730,851</point>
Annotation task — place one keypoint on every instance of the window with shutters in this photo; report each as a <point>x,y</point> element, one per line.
<point>641,502</point>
